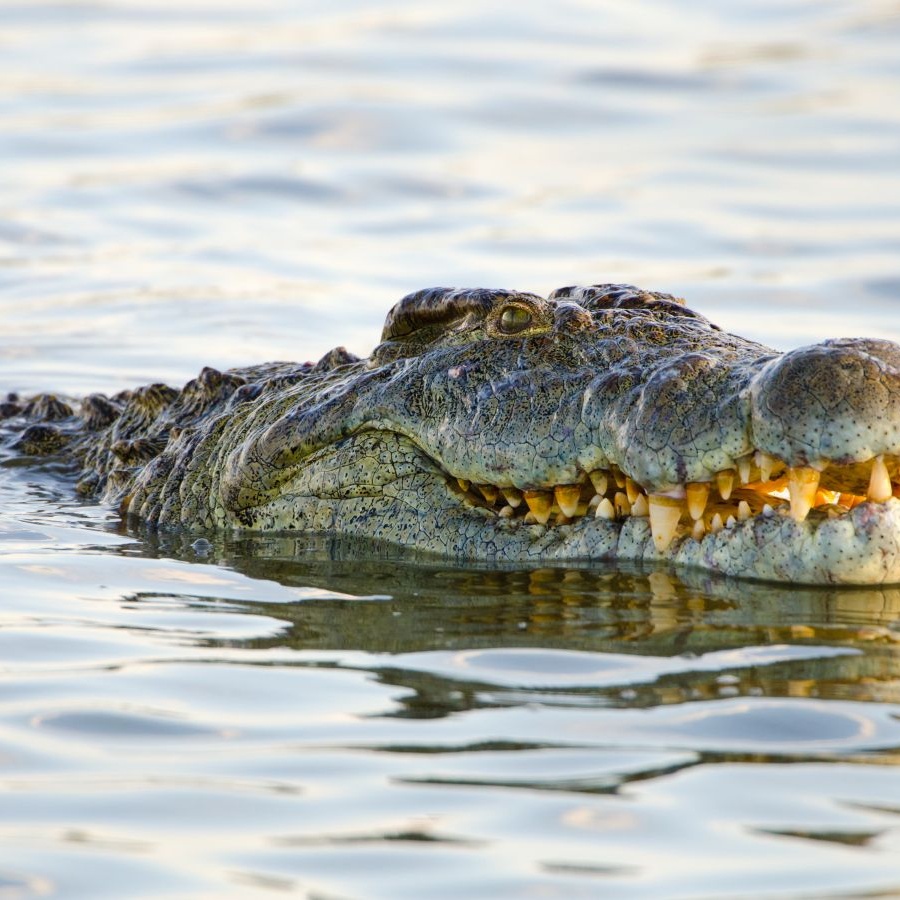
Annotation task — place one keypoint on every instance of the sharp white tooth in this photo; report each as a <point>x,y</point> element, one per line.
<point>880,482</point>
<point>766,465</point>
<point>697,494</point>
<point>594,501</point>
<point>803,483</point>
<point>620,501</point>
<point>744,468</point>
<point>507,512</point>
<point>725,482</point>
<point>665,513</point>
<point>698,532</point>
<point>541,505</point>
<point>567,496</point>
<point>600,481</point>
<point>640,507</point>
<point>513,496</point>
<point>632,490</point>
<point>716,525</point>
<point>730,522</point>
<point>605,509</point>
<point>768,510</point>
<point>744,511</point>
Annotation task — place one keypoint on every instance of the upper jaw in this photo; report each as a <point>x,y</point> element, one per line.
<point>808,437</point>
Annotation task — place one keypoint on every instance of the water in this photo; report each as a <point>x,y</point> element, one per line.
<point>202,183</point>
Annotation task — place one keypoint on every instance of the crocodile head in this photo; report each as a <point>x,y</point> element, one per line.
<point>600,423</point>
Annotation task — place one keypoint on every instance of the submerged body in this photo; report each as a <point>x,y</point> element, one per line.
<point>599,423</point>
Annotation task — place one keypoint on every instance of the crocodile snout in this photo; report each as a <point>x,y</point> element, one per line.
<point>835,402</point>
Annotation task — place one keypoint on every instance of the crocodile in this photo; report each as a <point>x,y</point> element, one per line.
<point>598,423</point>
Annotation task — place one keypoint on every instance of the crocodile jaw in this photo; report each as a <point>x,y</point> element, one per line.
<point>411,501</point>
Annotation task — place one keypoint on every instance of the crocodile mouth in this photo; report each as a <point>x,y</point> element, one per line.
<point>758,485</point>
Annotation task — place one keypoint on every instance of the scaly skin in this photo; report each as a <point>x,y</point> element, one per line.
<point>510,391</point>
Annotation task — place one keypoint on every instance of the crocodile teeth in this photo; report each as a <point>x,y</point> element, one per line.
<point>725,482</point>
<point>744,466</point>
<point>489,492</point>
<point>803,483</point>
<point>600,481</point>
<point>605,510</point>
<point>463,484</point>
<point>766,465</point>
<point>716,525</point>
<point>880,482</point>
<point>540,503</point>
<point>640,507</point>
<point>620,502</point>
<point>507,512</point>
<point>632,490</point>
<point>567,496</point>
<point>513,496</point>
<point>697,494</point>
<point>665,513</point>
<point>744,512</point>
<point>699,530</point>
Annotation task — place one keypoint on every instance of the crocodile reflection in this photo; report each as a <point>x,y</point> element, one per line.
<point>650,613</point>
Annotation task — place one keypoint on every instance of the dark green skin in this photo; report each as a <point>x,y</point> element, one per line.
<point>597,377</point>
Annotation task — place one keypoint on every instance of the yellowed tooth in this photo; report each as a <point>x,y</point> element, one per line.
<point>620,502</point>
<point>716,524</point>
<point>507,512</point>
<point>766,465</point>
<point>567,496</point>
<point>827,498</point>
<point>513,496</point>
<point>744,468</point>
<point>599,480</point>
<point>803,483</point>
<point>605,509</point>
<point>698,532</point>
<point>619,478</point>
<point>632,490</point>
<point>640,507</point>
<point>489,492</point>
<point>463,484</point>
<point>725,483</point>
<point>744,511</point>
<point>697,494</point>
<point>880,482</point>
<point>540,503</point>
<point>665,513</point>
<point>850,501</point>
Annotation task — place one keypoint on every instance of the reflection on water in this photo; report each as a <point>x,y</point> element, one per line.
<point>264,717</point>
<point>202,183</point>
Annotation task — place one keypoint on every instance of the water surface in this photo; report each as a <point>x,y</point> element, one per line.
<point>202,183</point>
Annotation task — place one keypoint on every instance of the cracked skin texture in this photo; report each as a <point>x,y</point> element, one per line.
<point>515,392</point>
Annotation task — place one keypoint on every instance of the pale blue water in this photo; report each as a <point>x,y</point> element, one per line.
<point>202,183</point>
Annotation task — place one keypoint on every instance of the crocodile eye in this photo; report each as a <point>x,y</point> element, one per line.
<point>514,319</point>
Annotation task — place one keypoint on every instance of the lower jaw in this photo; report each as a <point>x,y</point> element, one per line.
<point>859,548</point>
